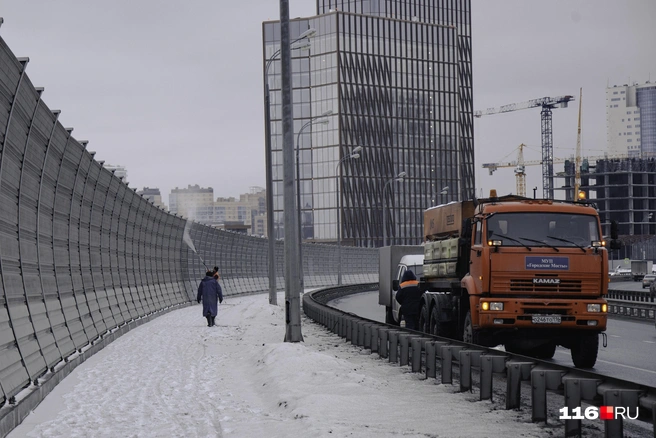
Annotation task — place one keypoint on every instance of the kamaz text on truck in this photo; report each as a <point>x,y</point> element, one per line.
<point>525,273</point>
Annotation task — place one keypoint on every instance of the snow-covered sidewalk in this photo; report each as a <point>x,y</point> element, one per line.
<point>176,377</point>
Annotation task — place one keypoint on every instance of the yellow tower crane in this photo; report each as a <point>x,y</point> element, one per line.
<point>520,169</point>
<point>520,172</point>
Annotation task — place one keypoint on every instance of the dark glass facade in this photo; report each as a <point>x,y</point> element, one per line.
<point>646,101</point>
<point>399,87</point>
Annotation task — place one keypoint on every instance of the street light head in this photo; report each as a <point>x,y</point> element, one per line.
<point>357,149</point>
<point>301,45</point>
<point>401,175</point>
<point>323,122</point>
<point>308,33</point>
<point>355,155</point>
<point>327,113</point>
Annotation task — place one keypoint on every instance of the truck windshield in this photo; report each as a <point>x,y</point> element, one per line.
<point>549,229</point>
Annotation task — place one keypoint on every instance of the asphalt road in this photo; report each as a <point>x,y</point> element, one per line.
<point>630,354</point>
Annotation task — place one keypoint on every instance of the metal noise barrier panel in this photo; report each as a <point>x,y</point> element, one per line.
<point>82,255</point>
<point>454,362</point>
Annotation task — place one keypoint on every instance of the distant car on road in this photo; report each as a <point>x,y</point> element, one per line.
<point>647,280</point>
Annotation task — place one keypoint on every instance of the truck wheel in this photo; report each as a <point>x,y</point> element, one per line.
<point>423,320</point>
<point>584,350</point>
<point>437,327</point>
<point>544,351</point>
<point>469,335</point>
<point>434,323</point>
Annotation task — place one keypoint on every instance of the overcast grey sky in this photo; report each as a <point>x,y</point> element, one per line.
<point>173,90</point>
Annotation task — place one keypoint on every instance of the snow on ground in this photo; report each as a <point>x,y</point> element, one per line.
<point>176,377</point>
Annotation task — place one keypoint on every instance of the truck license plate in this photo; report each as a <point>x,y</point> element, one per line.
<point>546,319</point>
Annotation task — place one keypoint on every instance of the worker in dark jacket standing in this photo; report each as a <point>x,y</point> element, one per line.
<point>209,292</point>
<point>409,297</point>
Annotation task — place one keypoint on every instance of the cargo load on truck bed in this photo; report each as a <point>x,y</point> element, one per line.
<point>442,230</point>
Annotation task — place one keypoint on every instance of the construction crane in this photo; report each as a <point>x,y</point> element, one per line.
<point>520,167</point>
<point>547,104</point>
<point>520,172</point>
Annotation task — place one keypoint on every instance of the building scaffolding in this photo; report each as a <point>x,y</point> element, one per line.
<point>624,190</point>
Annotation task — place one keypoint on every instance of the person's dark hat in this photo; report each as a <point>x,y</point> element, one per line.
<point>209,274</point>
<point>408,276</point>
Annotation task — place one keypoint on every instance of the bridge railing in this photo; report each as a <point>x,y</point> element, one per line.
<point>631,304</point>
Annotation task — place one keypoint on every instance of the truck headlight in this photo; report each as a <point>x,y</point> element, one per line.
<point>598,243</point>
<point>494,306</point>
<point>596,308</point>
<point>494,242</point>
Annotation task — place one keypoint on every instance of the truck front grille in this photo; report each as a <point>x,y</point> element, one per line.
<point>526,285</point>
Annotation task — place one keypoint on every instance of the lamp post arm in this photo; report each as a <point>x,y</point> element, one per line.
<point>270,61</point>
<point>306,34</point>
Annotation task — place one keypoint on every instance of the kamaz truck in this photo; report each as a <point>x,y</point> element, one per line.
<point>529,274</point>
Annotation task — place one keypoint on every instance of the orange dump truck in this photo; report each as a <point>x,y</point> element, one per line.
<point>525,273</point>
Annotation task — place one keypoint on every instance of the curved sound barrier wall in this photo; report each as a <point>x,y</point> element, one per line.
<point>82,254</point>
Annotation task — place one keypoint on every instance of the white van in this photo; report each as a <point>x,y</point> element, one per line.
<point>414,262</point>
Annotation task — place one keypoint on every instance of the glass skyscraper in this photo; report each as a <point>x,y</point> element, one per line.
<point>646,101</point>
<point>397,77</point>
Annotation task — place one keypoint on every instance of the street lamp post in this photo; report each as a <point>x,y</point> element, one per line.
<point>355,153</point>
<point>313,121</point>
<point>398,177</point>
<point>269,165</point>
<point>443,192</point>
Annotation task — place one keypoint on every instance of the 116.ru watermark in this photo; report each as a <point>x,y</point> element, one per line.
<point>602,413</point>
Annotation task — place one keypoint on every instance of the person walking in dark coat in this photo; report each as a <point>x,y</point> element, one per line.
<point>409,297</point>
<point>209,292</point>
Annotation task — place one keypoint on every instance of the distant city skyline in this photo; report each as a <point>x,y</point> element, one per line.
<point>246,214</point>
<point>174,103</point>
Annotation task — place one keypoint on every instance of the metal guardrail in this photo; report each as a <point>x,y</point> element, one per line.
<point>631,304</point>
<point>447,359</point>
